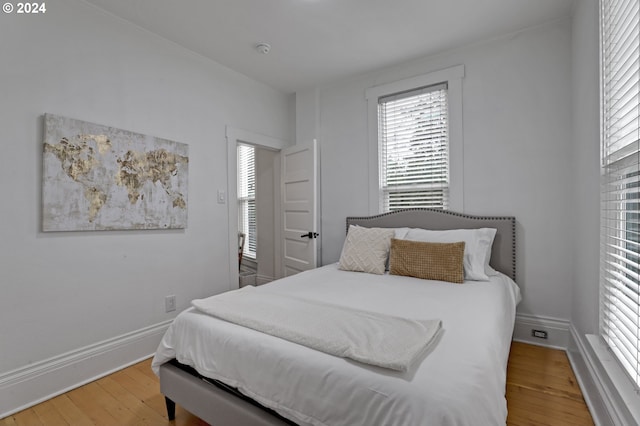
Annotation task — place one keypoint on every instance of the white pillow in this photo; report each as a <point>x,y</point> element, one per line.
<point>487,268</point>
<point>400,233</point>
<point>366,249</point>
<point>477,248</point>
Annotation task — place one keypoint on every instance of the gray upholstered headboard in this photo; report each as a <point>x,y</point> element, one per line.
<point>503,254</point>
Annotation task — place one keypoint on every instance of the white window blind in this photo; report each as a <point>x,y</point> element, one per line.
<point>247,198</point>
<point>413,132</point>
<point>620,192</point>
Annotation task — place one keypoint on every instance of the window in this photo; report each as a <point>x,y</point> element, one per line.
<point>415,139</point>
<point>620,191</point>
<point>247,198</point>
<point>413,132</point>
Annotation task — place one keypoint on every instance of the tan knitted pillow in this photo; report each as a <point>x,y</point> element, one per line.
<point>429,261</point>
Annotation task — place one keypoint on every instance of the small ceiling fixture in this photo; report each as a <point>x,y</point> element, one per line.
<point>263,48</point>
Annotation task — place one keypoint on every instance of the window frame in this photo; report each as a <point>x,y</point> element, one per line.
<point>245,201</point>
<point>452,76</point>
<point>626,382</point>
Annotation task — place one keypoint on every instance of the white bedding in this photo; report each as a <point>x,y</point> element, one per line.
<point>365,336</point>
<point>460,381</point>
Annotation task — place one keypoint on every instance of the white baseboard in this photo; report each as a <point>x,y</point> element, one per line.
<point>557,331</point>
<point>263,279</point>
<point>607,390</point>
<point>592,391</point>
<point>32,384</point>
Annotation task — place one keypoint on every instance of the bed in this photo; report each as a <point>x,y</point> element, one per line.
<point>227,374</point>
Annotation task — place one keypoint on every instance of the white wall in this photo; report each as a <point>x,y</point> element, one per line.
<point>517,141</point>
<point>63,291</point>
<point>586,170</point>
<point>266,177</point>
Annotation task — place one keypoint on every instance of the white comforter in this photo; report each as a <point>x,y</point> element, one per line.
<point>460,381</point>
<point>368,337</point>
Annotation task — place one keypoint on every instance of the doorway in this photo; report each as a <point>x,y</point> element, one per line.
<point>267,208</point>
<point>258,178</point>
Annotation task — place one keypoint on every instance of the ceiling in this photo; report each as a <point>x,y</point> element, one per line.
<point>317,41</point>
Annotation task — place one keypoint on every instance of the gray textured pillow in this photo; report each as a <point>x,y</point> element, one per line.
<point>366,249</point>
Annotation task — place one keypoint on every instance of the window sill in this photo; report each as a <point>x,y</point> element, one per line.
<point>619,391</point>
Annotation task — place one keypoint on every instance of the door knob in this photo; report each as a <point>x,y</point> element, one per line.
<point>310,235</point>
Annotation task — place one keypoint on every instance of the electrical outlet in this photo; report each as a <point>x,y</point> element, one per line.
<point>540,334</point>
<point>170,303</point>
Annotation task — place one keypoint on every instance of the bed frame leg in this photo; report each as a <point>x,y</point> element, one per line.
<point>171,408</point>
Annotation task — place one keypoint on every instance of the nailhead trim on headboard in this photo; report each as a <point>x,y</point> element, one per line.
<point>450,213</point>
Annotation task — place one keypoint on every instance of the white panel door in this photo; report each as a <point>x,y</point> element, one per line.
<point>299,203</point>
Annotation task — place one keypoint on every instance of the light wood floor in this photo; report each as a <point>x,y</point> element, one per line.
<point>541,390</point>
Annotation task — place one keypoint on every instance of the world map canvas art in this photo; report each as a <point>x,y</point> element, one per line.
<point>102,178</point>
